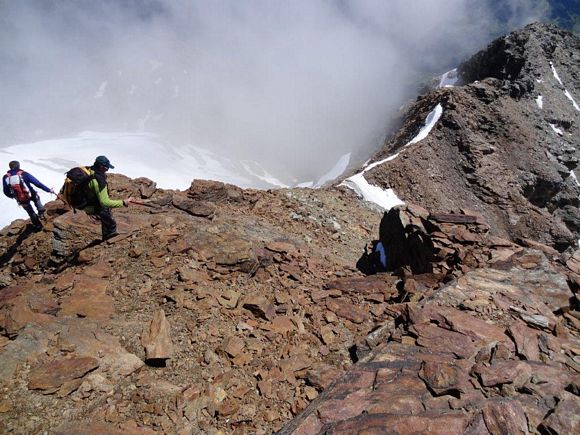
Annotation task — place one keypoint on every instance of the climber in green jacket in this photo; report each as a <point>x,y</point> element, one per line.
<point>97,195</point>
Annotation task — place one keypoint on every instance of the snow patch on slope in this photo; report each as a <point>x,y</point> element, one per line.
<point>566,92</point>
<point>133,154</point>
<point>571,98</point>
<point>449,79</point>
<point>387,198</point>
<point>557,130</point>
<point>555,73</point>
<point>384,198</point>
<point>336,171</point>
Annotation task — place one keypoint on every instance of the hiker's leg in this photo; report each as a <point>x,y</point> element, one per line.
<point>38,204</point>
<point>32,214</point>
<point>108,224</point>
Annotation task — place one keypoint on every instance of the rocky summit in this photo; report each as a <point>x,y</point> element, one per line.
<point>221,310</point>
<point>505,143</point>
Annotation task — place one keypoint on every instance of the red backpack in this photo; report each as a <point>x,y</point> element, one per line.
<point>17,187</point>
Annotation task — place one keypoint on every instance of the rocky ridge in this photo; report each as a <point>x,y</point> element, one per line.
<point>506,142</point>
<point>218,290</point>
<point>222,310</point>
<point>491,352</point>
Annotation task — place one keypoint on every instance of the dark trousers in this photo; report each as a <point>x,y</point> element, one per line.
<point>27,206</point>
<point>108,224</point>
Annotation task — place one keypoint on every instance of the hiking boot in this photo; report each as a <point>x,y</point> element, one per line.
<point>41,215</point>
<point>110,236</point>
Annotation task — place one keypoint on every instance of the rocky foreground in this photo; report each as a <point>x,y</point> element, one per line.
<point>493,352</point>
<point>219,310</point>
<point>218,290</point>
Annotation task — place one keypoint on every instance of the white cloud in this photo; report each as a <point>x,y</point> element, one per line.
<point>292,84</point>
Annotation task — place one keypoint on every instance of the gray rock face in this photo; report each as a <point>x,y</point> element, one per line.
<point>506,142</point>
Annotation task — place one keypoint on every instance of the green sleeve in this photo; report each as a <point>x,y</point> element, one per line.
<point>103,196</point>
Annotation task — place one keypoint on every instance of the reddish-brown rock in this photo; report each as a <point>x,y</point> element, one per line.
<point>88,298</point>
<point>157,338</point>
<point>443,378</point>
<point>565,418</point>
<point>56,373</point>
<point>526,341</point>
<point>347,310</point>
<point>503,372</point>
<point>505,417</point>
<point>375,424</point>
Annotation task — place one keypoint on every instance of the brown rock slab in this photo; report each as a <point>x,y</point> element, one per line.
<point>503,372</point>
<point>234,253</point>
<point>233,346</point>
<point>187,274</point>
<point>99,270</point>
<point>157,339</point>
<point>395,404</point>
<point>87,339</point>
<point>295,363</point>
<point>444,377</point>
<point>473,327</point>
<point>318,295</point>
<point>476,426</point>
<point>53,375</point>
<point>69,387</point>
<point>18,313</point>
<point>351,405</point>
<point>367,285</point>
<point>89,299</point>
<point>282,248</point>
<point>12,292</point>
<point>214,191</point>
<point>375,424</point>
<point>526,341</point>
<point>442,340</point>
<point>193,207</point>
<point>229,299</point>
<point>310,425</point>
<point>574,262</point>
<point>347,310</point>
<point>321,375</point>
<point>260,306</point>
<point>280,325</point>
<point>327,335</point>
<point>565,418</point>
<point>505,417</point>
<point>386,385</point>
<point>28,345</point>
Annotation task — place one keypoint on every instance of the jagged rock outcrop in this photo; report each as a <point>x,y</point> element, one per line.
<point>485,354</point>
<point>264,312</point>
<point>506,142</point>
<point>254,336</point>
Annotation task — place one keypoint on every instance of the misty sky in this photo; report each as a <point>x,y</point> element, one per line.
<point>293,84</point>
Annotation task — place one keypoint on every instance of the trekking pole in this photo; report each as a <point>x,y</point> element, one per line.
<point>60,197</point>
<point>138,202</point>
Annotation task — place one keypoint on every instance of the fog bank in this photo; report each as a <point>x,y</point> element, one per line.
<point>294,85</point>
